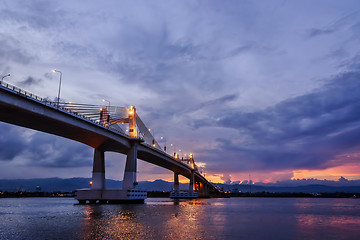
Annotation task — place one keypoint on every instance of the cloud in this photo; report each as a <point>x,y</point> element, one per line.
<point>10,50</point>
<point>307,131</point>
<point>317,32</point>
<point>30,81</point>
<point>12,142</point>
<point>232,82</point>
<point>226,178</point>
<point>30,148</point>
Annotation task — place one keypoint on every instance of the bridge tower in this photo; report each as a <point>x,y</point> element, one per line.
<point>132,122</point>
<point>129,181</point>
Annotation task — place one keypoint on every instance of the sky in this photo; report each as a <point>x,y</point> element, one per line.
<point>262,90</point>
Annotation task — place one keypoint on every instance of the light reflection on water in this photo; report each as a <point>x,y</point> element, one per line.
<point>235,218</point>
<point>180,220</point>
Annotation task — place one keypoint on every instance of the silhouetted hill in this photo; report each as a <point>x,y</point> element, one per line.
<point>312,188</point>
<point>71,184</point>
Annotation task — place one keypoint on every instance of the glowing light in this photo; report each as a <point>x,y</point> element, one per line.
<point>90,182</point>
<point>54,70</point>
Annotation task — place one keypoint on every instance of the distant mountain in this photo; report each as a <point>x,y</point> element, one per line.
<point>311,188</point>
<point>71,184</point>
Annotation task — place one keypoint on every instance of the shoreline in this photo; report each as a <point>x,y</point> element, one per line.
<point>160,194</point>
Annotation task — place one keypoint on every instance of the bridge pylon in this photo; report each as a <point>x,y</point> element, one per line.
<point>132,122</point>
<point>98,174</point>
<point>176,182</point>
<point>129,181</point>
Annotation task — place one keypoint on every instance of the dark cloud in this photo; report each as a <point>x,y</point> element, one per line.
<point>303,132</point>
<point>317,32</point>
<point>40,149</point>
<point>30,81</point>
<point>176,66</point>
<point>12,143</point>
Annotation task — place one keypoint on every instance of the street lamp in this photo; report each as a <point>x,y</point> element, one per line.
<point>174,149</point>
<point>8,75</point>
<point>153,135</point>
<point>58,100</point>
<point>104,100</point>
<point>165,143</point>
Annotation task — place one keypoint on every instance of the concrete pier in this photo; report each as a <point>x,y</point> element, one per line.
<point>98,174</point>
<point>191,184</point>
<point>129,181</point>
<point>176,182</point>
<point>98,193</point>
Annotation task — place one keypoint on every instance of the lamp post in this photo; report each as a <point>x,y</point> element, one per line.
<point>165,143</point>
<point>174,149</point>
<point>8,75</point>
<point>104,100</point>
<point>153,135</point>
<point>108,110</point>
<point>58,99</point>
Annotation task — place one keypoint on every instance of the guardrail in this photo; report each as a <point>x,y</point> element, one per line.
<point>21,91</point>
<point>45,101</point>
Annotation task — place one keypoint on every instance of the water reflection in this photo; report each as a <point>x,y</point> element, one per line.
<point>234,218</point>
<point>171,220</point>
<point>333,218</point>
<point>112,222</point>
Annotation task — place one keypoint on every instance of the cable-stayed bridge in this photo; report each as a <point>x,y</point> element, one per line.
<point>104,128</point>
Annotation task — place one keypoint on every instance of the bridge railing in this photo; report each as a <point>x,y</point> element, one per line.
<point>179,160</point>
<point>53,104</point>
<point>20,91</point>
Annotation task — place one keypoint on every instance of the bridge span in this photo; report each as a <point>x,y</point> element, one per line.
<point>100,128</point>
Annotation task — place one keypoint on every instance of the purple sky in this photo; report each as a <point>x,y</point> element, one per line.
<point>268,88</point>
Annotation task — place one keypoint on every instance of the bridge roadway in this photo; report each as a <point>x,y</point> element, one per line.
<point>26,110</point>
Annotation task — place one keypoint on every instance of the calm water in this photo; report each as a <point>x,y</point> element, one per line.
<point>234,218</point>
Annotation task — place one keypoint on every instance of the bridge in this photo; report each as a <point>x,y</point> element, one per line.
<point>104,128</point>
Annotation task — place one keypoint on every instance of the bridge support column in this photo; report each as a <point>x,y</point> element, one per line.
<point>129,181</point>
<point>191,184</point>
<point>98,174</point>
<point>176,182</point>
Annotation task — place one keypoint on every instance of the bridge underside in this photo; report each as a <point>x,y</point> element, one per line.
<point>38,116</point>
